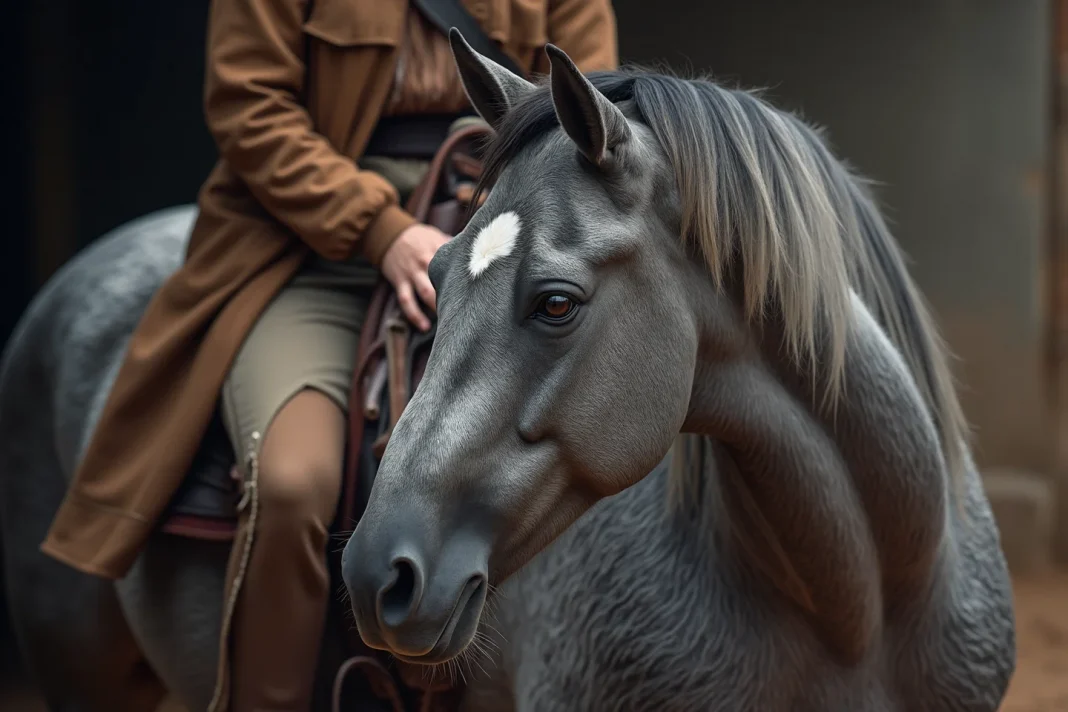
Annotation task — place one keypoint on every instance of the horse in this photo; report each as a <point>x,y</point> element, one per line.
<point>671,266</point>
<point>683,589</point>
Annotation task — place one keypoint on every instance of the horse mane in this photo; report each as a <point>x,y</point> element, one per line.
<point>761,192</point>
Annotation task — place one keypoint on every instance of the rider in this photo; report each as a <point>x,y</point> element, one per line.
<point>294,223</point>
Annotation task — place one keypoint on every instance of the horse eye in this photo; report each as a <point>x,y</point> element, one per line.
<point>556,307</point>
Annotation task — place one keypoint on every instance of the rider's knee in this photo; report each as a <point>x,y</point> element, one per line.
<point>299,490</point>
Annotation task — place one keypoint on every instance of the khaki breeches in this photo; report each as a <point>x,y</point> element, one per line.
<point>306,339</point>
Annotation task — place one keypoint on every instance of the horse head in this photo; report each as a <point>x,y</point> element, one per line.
<point>561,370</point>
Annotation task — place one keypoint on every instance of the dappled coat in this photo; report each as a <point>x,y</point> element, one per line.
<point>293,91</point>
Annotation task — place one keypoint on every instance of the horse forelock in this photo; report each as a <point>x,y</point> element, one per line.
<point>759,189</point>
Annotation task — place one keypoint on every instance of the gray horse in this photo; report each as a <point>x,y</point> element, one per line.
<point>811,550</point>
<point>661,256</point>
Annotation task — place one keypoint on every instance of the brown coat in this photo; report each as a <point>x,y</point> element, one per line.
<point>294,89</point>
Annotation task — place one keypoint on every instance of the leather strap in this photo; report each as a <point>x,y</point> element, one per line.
<point>422,197</point>
<point>348,514</point>
<point>446,14</point>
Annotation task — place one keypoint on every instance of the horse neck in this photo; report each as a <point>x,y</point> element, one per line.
<point>844,507</point>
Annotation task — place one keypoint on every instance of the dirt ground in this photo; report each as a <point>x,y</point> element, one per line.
<point>1041,681</point>
<point>1040,684</point>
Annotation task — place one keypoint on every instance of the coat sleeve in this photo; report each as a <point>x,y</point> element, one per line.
<point>255,74</point>
<point>586,30</point>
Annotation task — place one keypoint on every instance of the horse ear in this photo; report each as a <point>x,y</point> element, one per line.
<point>492,89</point>
<point>594,123</point>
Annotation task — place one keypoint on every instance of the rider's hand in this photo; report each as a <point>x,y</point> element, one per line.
<point>405,266</point>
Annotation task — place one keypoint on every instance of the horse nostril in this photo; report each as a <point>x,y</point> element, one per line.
<point>399,598</point>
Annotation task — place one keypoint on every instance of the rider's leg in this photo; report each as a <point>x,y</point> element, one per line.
<point>285,401</point>
<point>279,619</point>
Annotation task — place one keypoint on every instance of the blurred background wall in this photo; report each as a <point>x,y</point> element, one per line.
<point>949,104</point>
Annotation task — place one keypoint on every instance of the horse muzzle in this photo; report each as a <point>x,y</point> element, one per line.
<point>418,601</point>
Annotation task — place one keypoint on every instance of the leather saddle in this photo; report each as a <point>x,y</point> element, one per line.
<point>390,362</point>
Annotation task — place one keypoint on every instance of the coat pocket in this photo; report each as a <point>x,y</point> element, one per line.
<point>357,23</point>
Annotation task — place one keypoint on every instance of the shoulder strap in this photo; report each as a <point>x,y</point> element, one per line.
<point>446,14</point>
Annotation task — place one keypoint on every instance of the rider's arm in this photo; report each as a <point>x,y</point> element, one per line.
<point>255,72</point>
<point>586,30</point>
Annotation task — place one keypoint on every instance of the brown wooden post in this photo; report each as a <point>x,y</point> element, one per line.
<point>1057,276</point>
